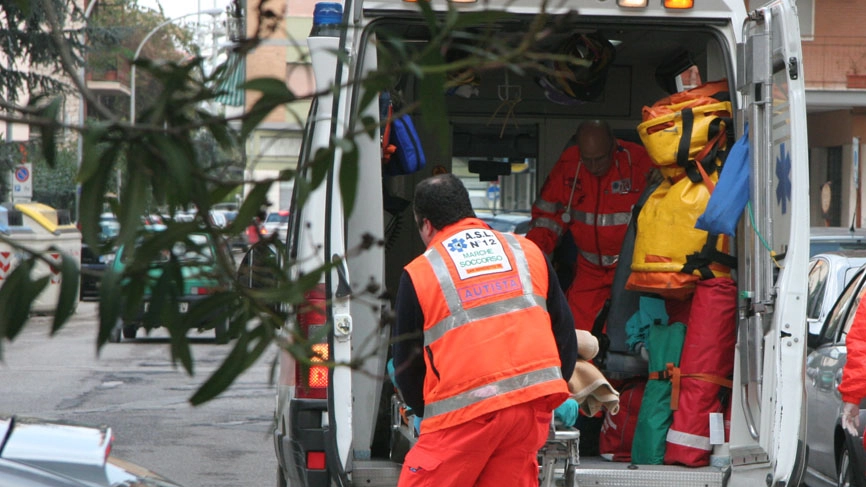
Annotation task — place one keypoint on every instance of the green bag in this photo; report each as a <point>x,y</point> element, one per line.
<point>665,344</point>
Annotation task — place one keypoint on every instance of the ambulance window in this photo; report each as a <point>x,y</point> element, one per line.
<point>498,166</point>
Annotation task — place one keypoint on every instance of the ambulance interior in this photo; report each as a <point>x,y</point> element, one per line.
<point>504,128</point>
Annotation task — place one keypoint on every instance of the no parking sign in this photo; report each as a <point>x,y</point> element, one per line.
<point>22,181</point>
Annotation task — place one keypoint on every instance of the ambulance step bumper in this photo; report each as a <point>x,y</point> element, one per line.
<point>376,473</point>
<point>625,475</point>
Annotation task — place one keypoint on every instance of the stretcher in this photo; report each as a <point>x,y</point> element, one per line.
<point>559,457</point>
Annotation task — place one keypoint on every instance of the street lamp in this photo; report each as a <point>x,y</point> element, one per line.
<point>214,12</point>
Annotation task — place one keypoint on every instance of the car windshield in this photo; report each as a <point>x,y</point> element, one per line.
<point>277,218</point>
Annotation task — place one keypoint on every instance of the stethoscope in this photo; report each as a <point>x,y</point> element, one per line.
<point>566,216</point>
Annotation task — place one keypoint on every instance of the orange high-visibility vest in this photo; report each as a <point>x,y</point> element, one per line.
<point>488,342</point>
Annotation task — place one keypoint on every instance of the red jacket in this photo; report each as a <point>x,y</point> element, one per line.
<point>487,335</point>
<point>600,207</point>
<point>853,385</point>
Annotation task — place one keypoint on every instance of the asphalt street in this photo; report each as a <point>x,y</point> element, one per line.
<point>135,389</point>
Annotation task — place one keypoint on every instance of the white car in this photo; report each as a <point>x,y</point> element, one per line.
<point>276,222</point>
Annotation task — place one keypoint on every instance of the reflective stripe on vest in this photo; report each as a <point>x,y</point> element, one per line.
<point>547,206</point>
<point>547,223</point>
<point>604,219</point>
<point>458,316</point>
<point>486,391</point>
<point>602,260</point>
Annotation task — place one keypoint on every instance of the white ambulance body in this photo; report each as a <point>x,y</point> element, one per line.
<point>334,427</point>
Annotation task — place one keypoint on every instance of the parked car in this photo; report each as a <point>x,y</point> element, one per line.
<point>38,453</point>
<point>507,222</point>
<point>829,273</point>
<point>95,261</point>
<point>197,259</point>
<point>829,458</point>
<point>827,239</point>
<point>276,222</point>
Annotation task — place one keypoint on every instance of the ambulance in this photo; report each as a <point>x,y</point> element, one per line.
<point>501,126</point>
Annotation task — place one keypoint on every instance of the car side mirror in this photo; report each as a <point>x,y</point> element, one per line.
<point>813,341</point>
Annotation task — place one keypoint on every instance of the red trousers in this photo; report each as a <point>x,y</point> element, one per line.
<point>495,450</point>
<point>588,292</point>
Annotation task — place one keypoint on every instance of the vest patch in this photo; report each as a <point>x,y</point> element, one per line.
<point>477,253</point>
<point>493,287</point>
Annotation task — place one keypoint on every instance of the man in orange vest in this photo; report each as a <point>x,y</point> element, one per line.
<point>590,192</point>
<point>482,340</point>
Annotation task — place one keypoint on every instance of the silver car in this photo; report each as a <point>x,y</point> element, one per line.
<point>38,453</point>
<point>827,239</point>
<point>829,458</point>
<point>828,274</point>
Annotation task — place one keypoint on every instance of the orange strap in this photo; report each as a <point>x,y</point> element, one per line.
<point>387,147</point>
<point>717,140</point>
<point>673,374</point>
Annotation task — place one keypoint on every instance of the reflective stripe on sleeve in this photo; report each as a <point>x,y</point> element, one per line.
<point>487,391</point>
<point>604,219</point>
<point>603,260</point>
<point>547,206</point>
<point>547,223</point>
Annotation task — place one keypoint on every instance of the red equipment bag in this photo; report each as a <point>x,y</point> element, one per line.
<point>617,431</point>
<point>705,368</point>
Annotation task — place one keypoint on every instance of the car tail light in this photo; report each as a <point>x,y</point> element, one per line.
<point>315,460</point>
<point>200,290</point>
<point>311,379</point>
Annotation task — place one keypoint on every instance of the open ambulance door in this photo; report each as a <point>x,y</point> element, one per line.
<point>768,410</point>
<point>325,228</point>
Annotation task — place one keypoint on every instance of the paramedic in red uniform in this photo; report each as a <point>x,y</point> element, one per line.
<point>590,192</point>
<point>482,340</point>
<point>853,385</point>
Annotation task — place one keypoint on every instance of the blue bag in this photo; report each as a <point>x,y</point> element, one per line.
<point>731,194</point>
<point>401,147</point>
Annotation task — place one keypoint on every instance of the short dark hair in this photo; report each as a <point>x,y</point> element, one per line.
<point>443,200</point>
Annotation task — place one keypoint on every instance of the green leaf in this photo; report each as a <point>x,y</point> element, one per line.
<point>253,203</point>
<point>349,178</point>
<point>238,360</point>
<point>110,300</point>
<point>178,161</point>
<point>133,204</point>
<point>433,105</point>
<point>274,94</point>
<point>26,6</point>
<point>17,296</point>
<point>180,351</point>
<point>320,166</point>
<point>68,297</point>
<point>49,132</point>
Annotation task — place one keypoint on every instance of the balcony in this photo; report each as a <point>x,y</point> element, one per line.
<point>107,75</point>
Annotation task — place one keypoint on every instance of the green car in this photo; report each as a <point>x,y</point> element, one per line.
<point>190,281</point>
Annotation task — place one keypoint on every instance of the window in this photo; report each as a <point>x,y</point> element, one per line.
<point>817,287</point>
<point>840,309</point>
<point>806,14</point>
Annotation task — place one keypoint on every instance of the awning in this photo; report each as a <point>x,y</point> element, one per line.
<point>234,76</point>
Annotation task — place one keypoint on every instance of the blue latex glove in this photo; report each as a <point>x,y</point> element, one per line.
<point>566,413</point>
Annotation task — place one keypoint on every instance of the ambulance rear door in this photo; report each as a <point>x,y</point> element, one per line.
<point>768,414</point>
